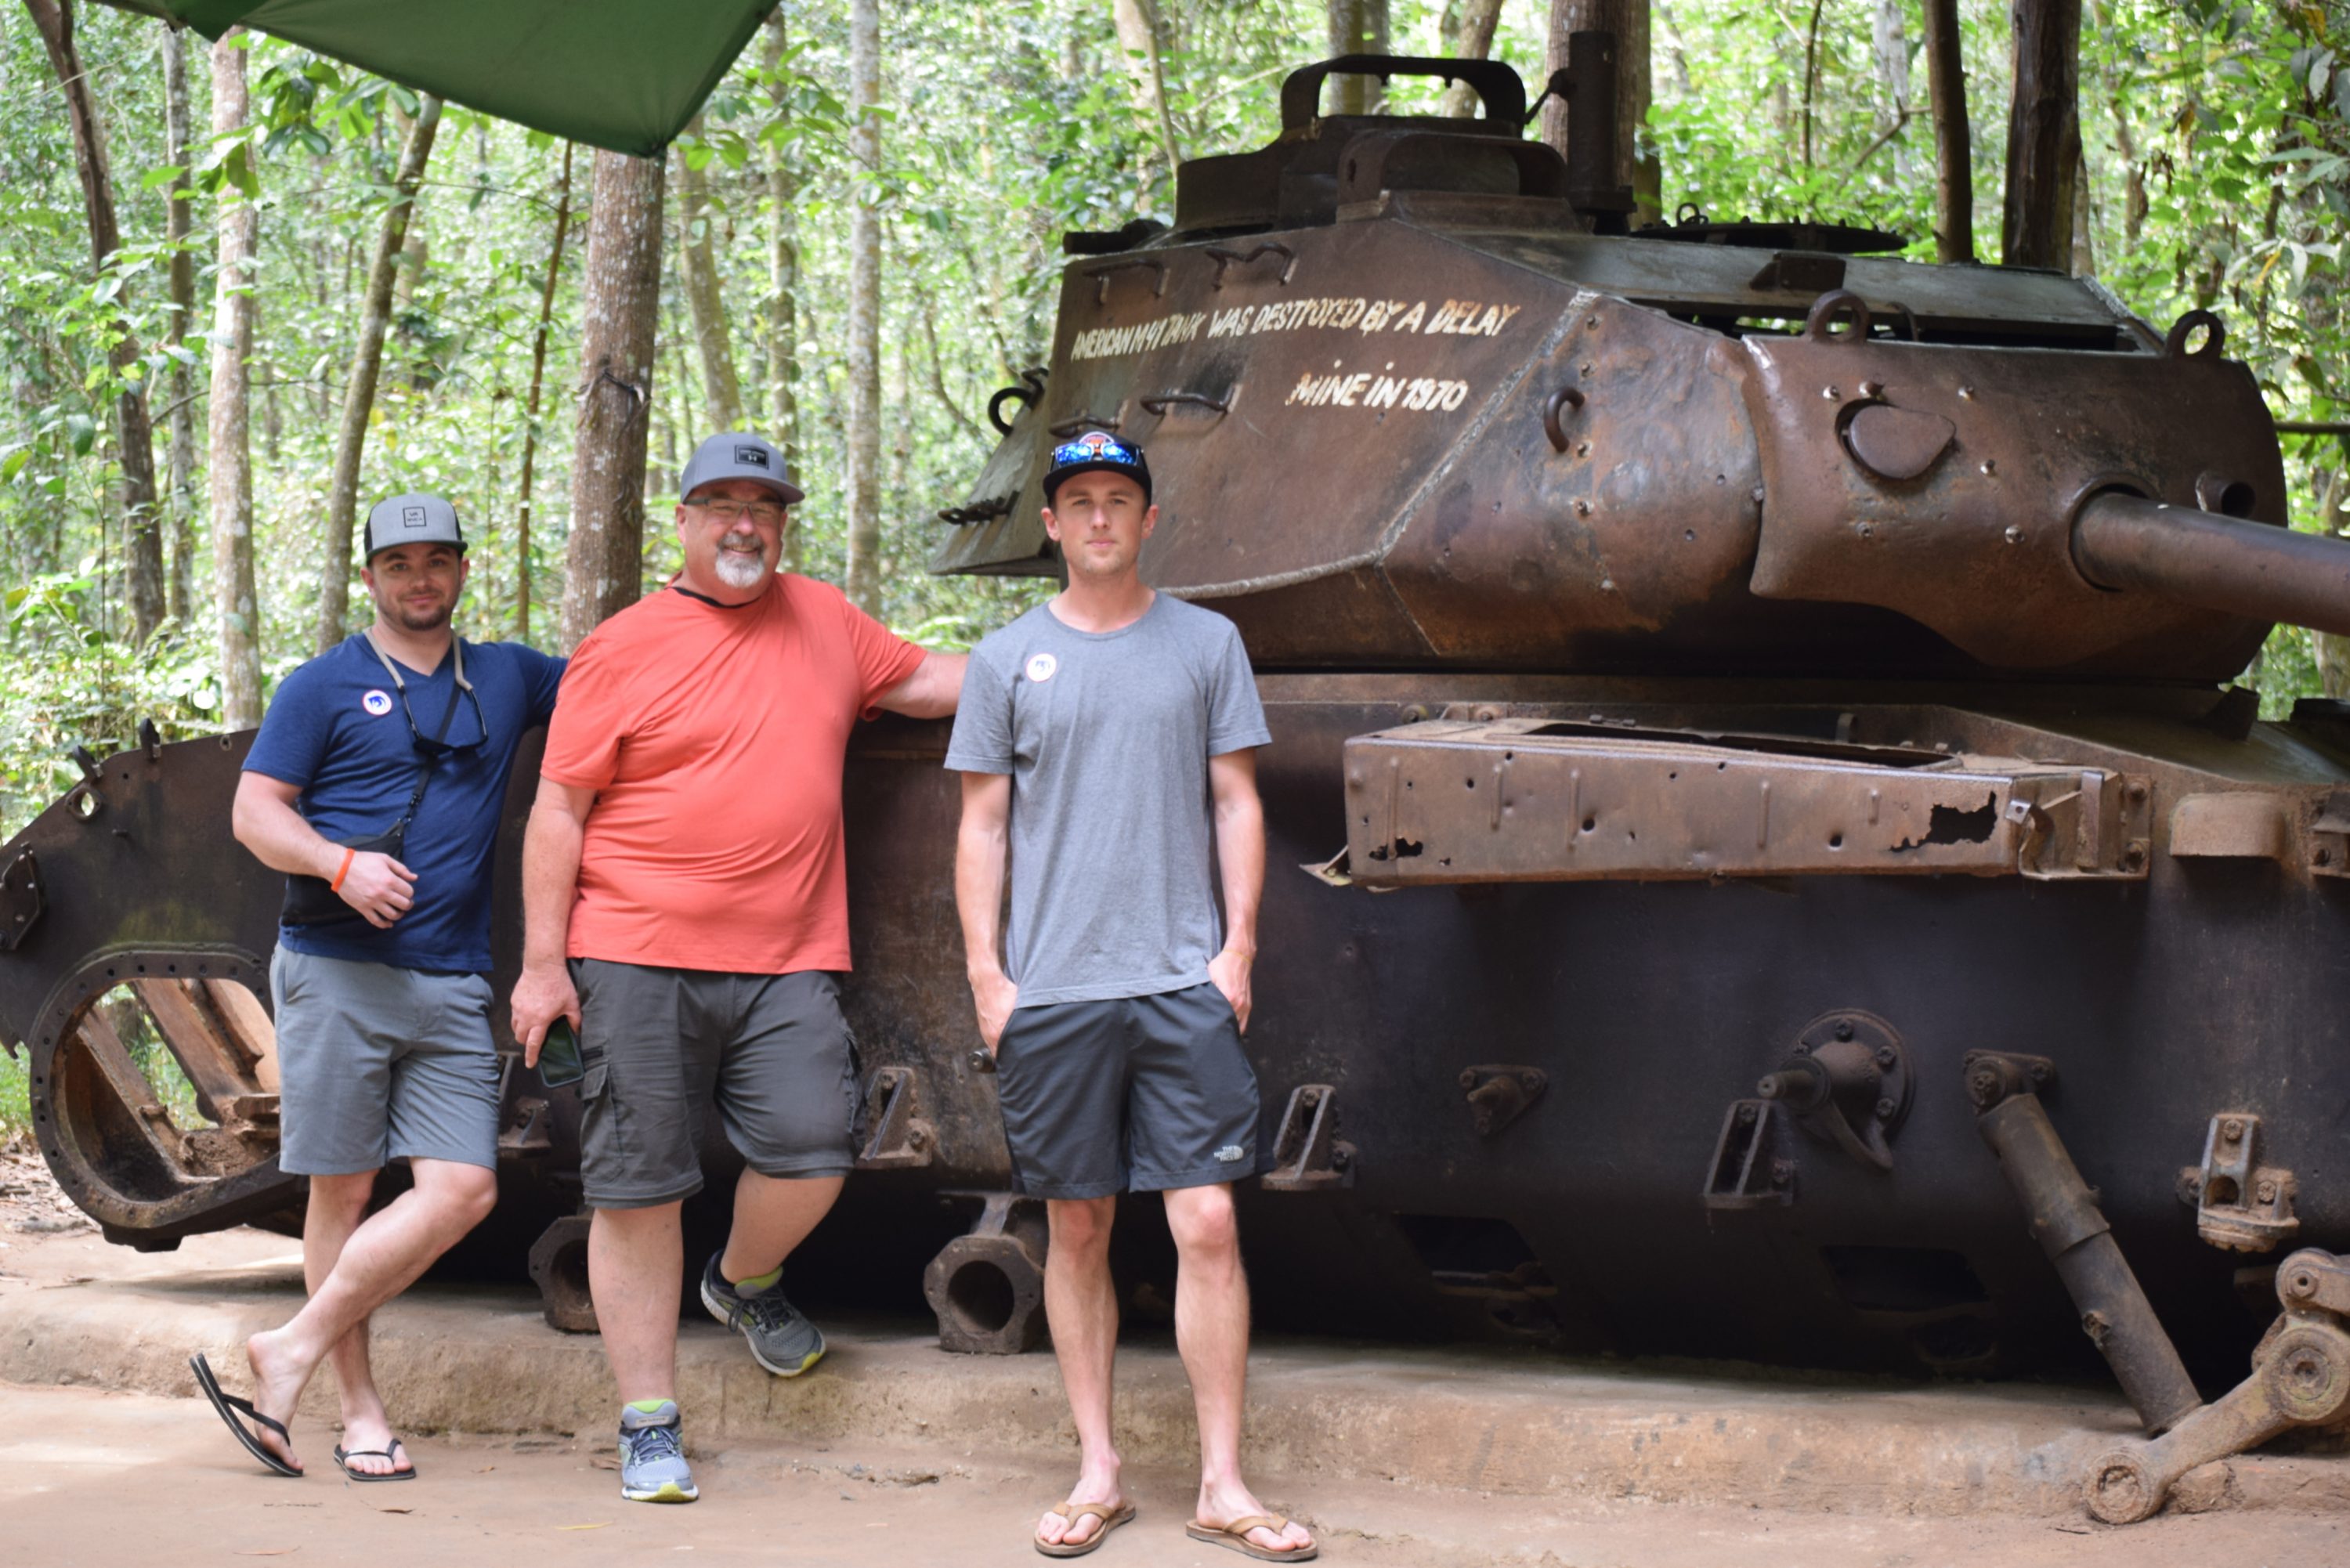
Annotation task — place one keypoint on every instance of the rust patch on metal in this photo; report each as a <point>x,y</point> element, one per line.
<point>1526,799</point>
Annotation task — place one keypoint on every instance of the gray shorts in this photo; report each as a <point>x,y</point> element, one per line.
<point>377,1063</point>
<point>772,1051</point>
<point>1138,1094</point>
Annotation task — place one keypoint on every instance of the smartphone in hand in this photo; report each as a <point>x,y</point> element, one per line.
<point>559,1062</point>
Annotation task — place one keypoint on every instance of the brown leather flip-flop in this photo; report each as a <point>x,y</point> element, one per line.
<point>1073,1511</point>
<point>1233,1537</point>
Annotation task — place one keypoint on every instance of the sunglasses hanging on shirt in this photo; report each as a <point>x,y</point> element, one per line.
<point>312,900</point>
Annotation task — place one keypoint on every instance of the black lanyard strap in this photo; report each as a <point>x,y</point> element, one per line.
<point>440,738</point>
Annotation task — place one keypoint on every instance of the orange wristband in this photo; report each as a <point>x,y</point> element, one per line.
<point>337,885</point>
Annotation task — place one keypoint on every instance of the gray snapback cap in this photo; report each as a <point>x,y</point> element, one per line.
<point>739,455</point>
<point>417,519</point>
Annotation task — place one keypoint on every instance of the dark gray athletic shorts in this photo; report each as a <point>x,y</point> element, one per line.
<point>1137,1094</point>
<point>771,1050</point>
<point>377,1063</point>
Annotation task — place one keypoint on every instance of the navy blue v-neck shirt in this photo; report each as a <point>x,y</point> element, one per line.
<point>336,731</point>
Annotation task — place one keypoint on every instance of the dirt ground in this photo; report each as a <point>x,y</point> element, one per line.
<point>103,1479</point>
<point>117,1480</point>
<point>30,1201</point>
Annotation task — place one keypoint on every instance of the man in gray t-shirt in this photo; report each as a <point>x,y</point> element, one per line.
<point>1107,743</point>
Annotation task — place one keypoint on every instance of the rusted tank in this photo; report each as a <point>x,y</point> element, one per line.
<point>1779,860</point>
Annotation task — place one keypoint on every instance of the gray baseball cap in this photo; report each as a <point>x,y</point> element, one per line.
<point>739,455</point>
<point>417,519</point>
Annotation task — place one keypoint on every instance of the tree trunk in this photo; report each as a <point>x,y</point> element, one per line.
<point>2134,201</point>
<point>722,390</point>
<point>604,567</point>
<point>2044,135</point>
<point>926,312</point>
<point>1628,20</point>
<point>231,456</point>
<point>366,364</point>
<point>2333,652</point>
<point>1357,27</point>
<point>178,221</point>
<point>1138,26</point>
<point>1471,39</point>
<point>1954,180</point>
<point>864,575</point>
<point>677,411</point>
<point>783,281</point>
<point>1888,31</point>
<point>133,431</point>
<point>537,384</point>
<point>2082,259</point>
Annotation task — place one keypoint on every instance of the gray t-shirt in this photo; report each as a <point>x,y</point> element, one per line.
<point>1107,736</point>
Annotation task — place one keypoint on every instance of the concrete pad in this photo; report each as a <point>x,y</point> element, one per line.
<point>1456,1419</point>
<point>126,1480</point>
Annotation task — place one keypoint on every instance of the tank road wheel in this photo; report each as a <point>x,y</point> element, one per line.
<point>988,1287</point>
<point>558,1267</point>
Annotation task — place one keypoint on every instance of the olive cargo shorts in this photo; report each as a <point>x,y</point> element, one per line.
<point>772,1051</point>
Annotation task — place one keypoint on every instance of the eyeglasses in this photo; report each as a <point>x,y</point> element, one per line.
<point>766,514</point>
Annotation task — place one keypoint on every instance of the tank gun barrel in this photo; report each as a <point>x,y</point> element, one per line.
<point>2214,561</point>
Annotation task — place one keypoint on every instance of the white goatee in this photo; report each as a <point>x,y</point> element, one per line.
<point>742,569</point>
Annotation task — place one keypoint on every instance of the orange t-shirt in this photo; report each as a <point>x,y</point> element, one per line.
<point>713,739</point>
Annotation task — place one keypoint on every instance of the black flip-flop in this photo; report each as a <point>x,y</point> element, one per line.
<point>229,1406</point>
<point>343,1458</point>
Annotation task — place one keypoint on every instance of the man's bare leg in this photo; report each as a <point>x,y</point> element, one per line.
<point>1081,1305</point>
<point>772,1217</point>
<point>379,1259</point>
<point>636,1268</point>
<point>336,1206</point>
<point>1212,1328</point>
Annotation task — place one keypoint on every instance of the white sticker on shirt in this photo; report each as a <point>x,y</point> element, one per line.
<point>378,702</point>
<point>1041,668</point>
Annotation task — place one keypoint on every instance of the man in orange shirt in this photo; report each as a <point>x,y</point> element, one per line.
<point>685,857</point>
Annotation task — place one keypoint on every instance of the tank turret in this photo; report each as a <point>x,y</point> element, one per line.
<point>1411,405</point>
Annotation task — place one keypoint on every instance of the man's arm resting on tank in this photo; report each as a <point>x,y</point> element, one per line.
<point>1240,859</point>
<point>264,821</point>
<point>930,691</point>
<point>980,853</point>
<point>550,877</point>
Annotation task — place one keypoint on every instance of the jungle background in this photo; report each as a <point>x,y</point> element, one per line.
<point>413,291</point>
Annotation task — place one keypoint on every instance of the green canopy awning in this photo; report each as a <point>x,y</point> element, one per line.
<point>622,74</point>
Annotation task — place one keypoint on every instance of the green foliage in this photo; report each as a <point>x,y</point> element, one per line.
<point>2218,176</point>
<point>16,1092</point>
<point>2217,143</point>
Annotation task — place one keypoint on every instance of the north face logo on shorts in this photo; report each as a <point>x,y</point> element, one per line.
<point>1230,1152</point>
<point>757,456</point>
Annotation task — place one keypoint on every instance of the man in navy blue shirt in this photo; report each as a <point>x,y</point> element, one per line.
<point>376,784</point>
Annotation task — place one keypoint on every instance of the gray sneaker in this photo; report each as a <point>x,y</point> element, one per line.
<point>653,1456</point>
<point>782,1339</point>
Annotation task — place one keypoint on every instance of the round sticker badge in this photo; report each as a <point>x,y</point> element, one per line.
<point>378,702</point>
<point>1041,668</point>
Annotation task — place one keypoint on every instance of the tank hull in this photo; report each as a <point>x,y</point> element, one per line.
<point>2208,985</point>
